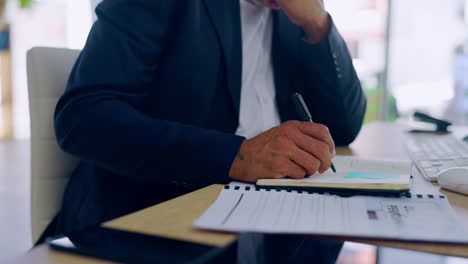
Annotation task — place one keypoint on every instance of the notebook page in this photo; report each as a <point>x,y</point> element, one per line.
<point>348,163</point>
<point>399,170</point>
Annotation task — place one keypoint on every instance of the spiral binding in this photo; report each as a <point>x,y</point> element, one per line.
<point>268,189</point>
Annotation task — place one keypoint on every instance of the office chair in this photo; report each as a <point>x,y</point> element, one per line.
<point>51,168</point>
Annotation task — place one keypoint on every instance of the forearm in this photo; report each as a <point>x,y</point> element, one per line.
<point>332,87</point>
<point>100,118</point>
<point>114,135</point>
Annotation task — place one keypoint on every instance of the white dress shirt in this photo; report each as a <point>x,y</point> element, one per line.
<point>258,109</point>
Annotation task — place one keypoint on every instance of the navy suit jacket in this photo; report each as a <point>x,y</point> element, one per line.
<point>152,103</point>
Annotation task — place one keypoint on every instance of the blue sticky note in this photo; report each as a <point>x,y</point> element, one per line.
<point>372,175</point>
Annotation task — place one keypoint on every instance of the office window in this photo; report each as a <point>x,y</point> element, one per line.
<point>426,59</point>
<point>363,25</point>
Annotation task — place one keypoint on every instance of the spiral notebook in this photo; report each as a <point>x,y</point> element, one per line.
<point>419,217</point>
<point>353,175</point>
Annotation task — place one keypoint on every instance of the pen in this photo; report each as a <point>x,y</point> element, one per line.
<point>304,113</point>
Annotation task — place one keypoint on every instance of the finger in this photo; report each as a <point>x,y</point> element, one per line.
<point>305,160</point>
<point>294,171</point>
<point>321,151</point>
<point>318,149</point>
<point>319,132</point>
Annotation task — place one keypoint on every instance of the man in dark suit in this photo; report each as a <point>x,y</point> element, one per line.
<point>154,107</point>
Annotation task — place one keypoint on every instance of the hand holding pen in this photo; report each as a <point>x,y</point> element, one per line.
<point>304,113</point>
<point>293,149</point>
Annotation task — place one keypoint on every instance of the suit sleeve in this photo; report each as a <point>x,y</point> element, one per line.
<point>99,118</point>
<point>332,89</point>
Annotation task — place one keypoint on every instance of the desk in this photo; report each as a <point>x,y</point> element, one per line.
<point>173,219</point>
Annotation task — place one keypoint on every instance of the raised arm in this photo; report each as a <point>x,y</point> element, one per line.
<point>329,82</point>
<point>332,88</point>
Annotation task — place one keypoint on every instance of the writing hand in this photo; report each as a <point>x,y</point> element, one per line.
<point>294,149</point>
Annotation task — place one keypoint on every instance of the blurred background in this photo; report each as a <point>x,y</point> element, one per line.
<point>410,55</point>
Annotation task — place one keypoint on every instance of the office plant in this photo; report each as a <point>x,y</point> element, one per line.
<point>22,4</point>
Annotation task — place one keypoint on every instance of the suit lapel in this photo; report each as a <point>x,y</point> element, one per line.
<point>225,16</point>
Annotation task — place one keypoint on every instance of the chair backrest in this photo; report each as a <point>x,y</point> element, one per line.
<point>51,168</point>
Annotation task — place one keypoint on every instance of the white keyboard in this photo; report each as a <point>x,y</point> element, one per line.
<point>435,153</point>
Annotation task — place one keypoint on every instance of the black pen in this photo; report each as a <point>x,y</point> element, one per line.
<point>304,113</point>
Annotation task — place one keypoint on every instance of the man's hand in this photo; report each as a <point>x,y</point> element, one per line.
<point>308,14</point>
<point>294,149</point>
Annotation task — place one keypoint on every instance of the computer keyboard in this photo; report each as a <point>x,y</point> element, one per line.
<point>435,153</point>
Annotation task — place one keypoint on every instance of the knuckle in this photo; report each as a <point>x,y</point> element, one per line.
<point>322,150</point>
<point>286,144</point>
<point>283,131</point>
<point>325,128</point>
<point>275,145</point>
<point>322,129</point>
<point>288,132</point>
<point>307,126</point>
<point>292,123</point>
<point>325,133</point>
<point>280,146</point>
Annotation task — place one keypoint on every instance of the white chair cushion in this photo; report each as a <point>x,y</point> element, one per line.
<point>51,168</point>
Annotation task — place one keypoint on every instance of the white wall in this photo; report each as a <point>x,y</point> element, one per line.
<point>424,35</point>
<point>78,23</point>
<point>49,23</point>
<point>44,25</point>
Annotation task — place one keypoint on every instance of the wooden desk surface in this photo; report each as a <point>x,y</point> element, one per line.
<point>173,219</point>
<point>379,140</point>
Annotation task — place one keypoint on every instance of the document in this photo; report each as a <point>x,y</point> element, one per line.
<point>419,218</point>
